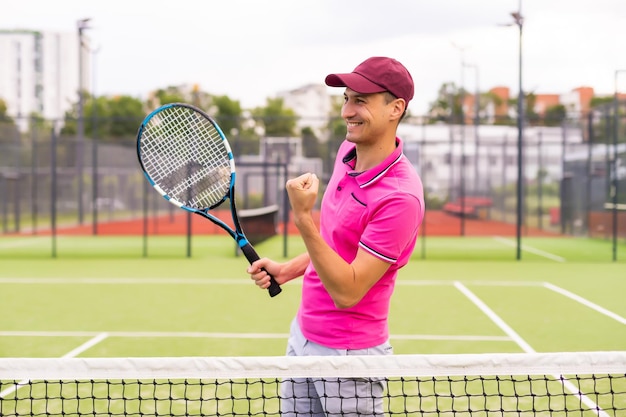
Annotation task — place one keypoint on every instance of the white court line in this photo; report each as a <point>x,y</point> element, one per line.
<point>527,348</point>
<point>217,335</point>
<point>530,249</point>
<point>450,282</point>
<point>16,243</point>
<point>132,281</point>
<point>484,283</point>
<point>80,349</point>
<point>585,302</point>
<point>87,345</point>
<point>175,281</point>
<point>494,317</point>
<point>234,281</point>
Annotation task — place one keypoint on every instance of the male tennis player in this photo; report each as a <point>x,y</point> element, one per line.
<point>370,215</point>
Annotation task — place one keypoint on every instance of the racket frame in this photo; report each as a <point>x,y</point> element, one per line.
<point>237,233</point>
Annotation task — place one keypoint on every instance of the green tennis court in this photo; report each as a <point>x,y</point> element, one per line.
<point>120,304</point>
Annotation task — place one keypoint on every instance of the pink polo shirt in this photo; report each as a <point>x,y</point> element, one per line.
<point>378,210</point>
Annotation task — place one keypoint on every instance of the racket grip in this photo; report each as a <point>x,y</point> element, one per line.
<point>250,254</point>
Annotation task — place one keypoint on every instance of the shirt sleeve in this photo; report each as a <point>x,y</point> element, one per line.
<point>393,227</point>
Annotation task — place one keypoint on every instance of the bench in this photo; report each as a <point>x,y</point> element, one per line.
<point>260,223</point>
<point>476,201</point>
<point>457,208</point>
<point>468,206</point>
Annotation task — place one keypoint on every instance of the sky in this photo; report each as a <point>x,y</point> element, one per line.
<point>252,49</point>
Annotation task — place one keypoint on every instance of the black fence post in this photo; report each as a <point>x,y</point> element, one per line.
<point>53,191</point>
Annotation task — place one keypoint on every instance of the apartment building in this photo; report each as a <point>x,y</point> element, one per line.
<point>40,73</point>
<point>576,102</point>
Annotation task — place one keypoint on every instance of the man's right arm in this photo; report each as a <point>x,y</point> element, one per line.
<point>282,272</point>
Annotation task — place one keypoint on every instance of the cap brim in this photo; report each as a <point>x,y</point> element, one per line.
<point>354,82</point>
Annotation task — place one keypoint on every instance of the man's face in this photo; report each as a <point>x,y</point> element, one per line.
<point>368,116</point>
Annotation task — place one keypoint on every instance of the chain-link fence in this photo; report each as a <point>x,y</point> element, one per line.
<point>43,174</point>
<point>573,178</point>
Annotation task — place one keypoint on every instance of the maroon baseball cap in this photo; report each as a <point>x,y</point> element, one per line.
<point>375,75</point>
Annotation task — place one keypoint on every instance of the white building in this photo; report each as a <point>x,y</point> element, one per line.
<point>40,73</point>
<point>280,158</point>
<point>489,155</point>
<point>313,105</point>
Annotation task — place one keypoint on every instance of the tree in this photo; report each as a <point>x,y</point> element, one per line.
<point>529,109</point>
<point>168,95</point>
<point>8,129</point>
<point>3,110</point>
<point>337,133</point>
<point>239,128</point>
<point>555,115</point>
<point>603,119</point>
<point>310,143</point>
<point>601,101</point>
<point>276,118</point>
<point>179,94</point>
<point>228,114</point>
<point>97,117</point>
<point>491,98</point>
<point>126,113</point>
<point>114,118</point>
<point>447,105</point>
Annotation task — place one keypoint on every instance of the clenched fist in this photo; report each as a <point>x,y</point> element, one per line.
<point>302,193</point>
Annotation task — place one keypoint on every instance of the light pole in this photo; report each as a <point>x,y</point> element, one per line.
<point>519,21</point>
<point>82,26</point>
<point>614,179</point>
<point>476,123</point>
<point>462,125</point>
<point>94,144</point>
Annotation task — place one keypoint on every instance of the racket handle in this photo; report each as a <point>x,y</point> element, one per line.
<point>274,289</point>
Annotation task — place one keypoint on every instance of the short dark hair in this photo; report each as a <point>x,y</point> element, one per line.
<point>389,97</point>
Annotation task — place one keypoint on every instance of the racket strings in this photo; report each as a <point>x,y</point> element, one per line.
<point>187,157</point>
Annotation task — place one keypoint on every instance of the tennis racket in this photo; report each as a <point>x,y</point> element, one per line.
<point>187,159</point>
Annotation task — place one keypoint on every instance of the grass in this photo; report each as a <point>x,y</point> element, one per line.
<point>167,293</point>
<point>468,295</point>
<point>546,249</point>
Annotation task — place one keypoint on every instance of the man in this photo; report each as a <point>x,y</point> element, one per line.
<point>370,215</point>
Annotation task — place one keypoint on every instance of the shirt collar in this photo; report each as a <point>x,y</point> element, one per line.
<point>370,176</point>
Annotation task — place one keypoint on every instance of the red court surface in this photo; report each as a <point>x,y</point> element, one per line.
<point>437,223</point>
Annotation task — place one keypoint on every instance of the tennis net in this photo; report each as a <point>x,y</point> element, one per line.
<point>524,384</point>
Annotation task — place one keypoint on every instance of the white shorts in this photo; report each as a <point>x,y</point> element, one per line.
<point>330,396</point>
